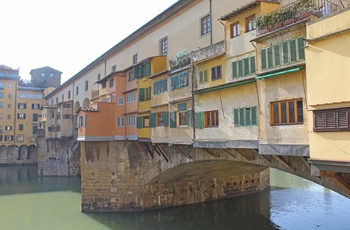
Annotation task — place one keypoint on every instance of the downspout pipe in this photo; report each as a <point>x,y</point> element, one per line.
<point>211,22</point>
<point>257,89</point>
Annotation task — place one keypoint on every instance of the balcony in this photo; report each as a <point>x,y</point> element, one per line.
<point>295,12</point>
<point>208,52</point>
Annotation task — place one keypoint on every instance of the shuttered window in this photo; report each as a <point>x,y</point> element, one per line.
<point>244,67</point>
<point>283,54</point>
<point>203,76</point>
<point>245,116</point>
<point>211,118</point>
<point>331,120</point>
<point>199,120</point>
<point>172,119</point>
<point>142,70</point>
<point>179,80</point>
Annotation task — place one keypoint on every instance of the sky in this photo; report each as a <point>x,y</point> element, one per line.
<point>68,35</point>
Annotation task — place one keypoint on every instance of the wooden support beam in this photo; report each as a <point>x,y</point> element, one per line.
<point>214,154</point>
<point>149,150</point>
<point>265,159</point>
<point>306,162</point>
<point>245,155</point>
<point>143,149</point>
<point>167,158</point>
<point>283,162</point>
<point>184,152</point>
<point>227,152</point>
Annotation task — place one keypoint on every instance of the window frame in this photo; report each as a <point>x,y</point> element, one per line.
<point>211,119</point>
<point>287,114</point>
<point>215,72</point>
<point>330,124</point>
<point>250,23</point>
<point>164,45</point>
<point>235,29</point>
<point>205,25</point>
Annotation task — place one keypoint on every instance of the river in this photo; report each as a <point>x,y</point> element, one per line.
<point>28,202</point>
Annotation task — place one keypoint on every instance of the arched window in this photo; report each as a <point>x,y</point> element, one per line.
<point>1,85</point>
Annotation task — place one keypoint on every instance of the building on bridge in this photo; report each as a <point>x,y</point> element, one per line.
<point>240,86</point>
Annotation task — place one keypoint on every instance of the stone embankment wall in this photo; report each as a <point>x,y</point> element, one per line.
<point>58,157</point>
<point>134,176</point>
<point>18,155</point>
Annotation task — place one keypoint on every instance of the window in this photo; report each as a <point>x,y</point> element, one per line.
<point>35,117</point>
<point>9,96</point>
<point>120,100</point>
<point>98,77</point>
<point>51,75</point>
<point>21,116</point>
<point>235,30</point>
<point>283,54</point>
<point>332,120</point>
<point>205,25</point>
<point>86,85</point>
<point>160,119</point>
<point>145,121</point>
<point>148,93</point>
<point>131,120</point>
<point>131,76</point>
<point>250,23</point>
<point>58,128</point>
<point>68,94</point>
<point>134,59</point>
<point>1,95</point>
<point>52,115</point>
<point>19,138</point>
<point>203,76</point>
<point>8,128</point>
<point>130,97</point>
<point>163,46</point>
<point>67,105</point>
<point>211,119</point>
<point>10,85</point>
<point>67,116</point>
<point>183,115</point>
<point>111,83</point>
<point>35,129</point>
<point>35,106</point>
<point>1,105</point>
<point>30,96</point>
<point>42,75</point>
<point>160,87</point>
<point>9,106</point>
<point>120,121</point>
<point>8,116</point>
<point>216,73</point>
<point>245,116</point>
<point>62,97</point>
<point>142,70</point>
<point>244,67</point>
<point>20,127</point>
<point>2,74</point>
<point>8,137</point>
<point>113,68</point>
<point>2,85</point>
<point>22,95</point>
<point>287,112</point>
<point>1,116</point>
<point>39,96</point>
<point>179,80</point>
<point>56,100</point>
<point>21,105</point>
<point>77,90</point>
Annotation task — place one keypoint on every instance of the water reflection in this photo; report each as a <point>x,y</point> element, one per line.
<point>247,212</point>
<point>24,179</point>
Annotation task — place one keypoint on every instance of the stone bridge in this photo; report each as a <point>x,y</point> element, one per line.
<point>18,155</point>
<point>136,176</point>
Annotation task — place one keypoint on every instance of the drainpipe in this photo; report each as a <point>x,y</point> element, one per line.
<point>211,22</point>
<point>15,115</point>
<point>192,101</point>
<point>256,86</point>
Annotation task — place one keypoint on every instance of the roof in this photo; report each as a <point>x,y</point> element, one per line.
<point>5,67</point>
<point>159,19</point>
<point>246,7</point>
<point>46,67</point>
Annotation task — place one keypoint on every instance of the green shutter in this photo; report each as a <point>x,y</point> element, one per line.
<point>234,69</point>
<point>137,72</point>
<point>152,120</point>
<point>240,68</point>
<point>200,76</point>
<point>247,119</point>
<point>141,94</point>
<point>293,50</point>
<point>252,65</point>
<point>246,66</point>
<point>263,59</point>
<point>254,115</point>
<point>166,118</point>
<point>142,66</point>
<point>285,53</point>
<point>182,106</point>
<point>205,77</point>
<point>301,48</point>
<point>172,119</point>
<point>189,117</point>
<point>139,122</point>
<point>235,117</point>
<point>199,120</point>
<point>277,55</point>
<point>269,58</point>
<point>241,116</point>
<point>148,68</point>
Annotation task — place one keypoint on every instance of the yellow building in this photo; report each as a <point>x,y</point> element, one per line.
<point>327,57</point>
